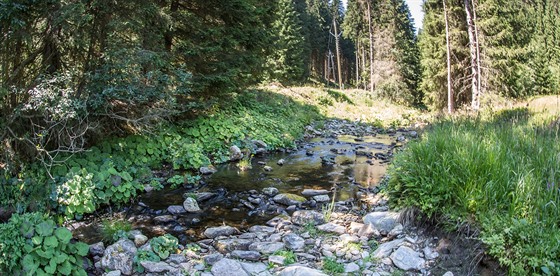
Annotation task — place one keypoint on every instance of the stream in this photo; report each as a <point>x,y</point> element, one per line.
<point>332,160</point>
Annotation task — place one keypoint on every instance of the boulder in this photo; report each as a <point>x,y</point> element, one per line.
<point>382,221</point>
<point>214,232</point>
<point>293,241</point>
<point>270,191</point>
<point>97,249</point>
<point>176,209</point>
<point>406,259</point>
<point>297,270</point>
<point>119,256</point>
<point>288,199</point>
<point>235,153</point>
<point>266,247</point>
<point>227,267</point>
<point>312,192</point>
<point>246,255</point>
<point>304,217</point>
<point>191,205</point>
<point>207,170</point>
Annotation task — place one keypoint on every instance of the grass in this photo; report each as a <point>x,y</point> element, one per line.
<point>500,172</point>
<point>332,266</point>
<point>290,256</point>
<point>113,230</point>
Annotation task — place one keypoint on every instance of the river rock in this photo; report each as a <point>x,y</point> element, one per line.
<point>176,259</point>
<point>382,221</point>
<point>270,191</point>
<point>191,205</point>
<point>164,219</point>
<point>312,192</point>
<point>214,232</point>
<point>266,247</point>
<point>97,249</point>
<point>140,240</point>
<point>227,267</point>
<point>322,198</point>
<point>246,255</point>
<point>293,241</point>
<point>332,228</point>
<point>262,228</point>
<point>288,199</point>
<point>202,196</point>
<point>267,168</point>
<point>413,134</point>
<point>228,245</point>
<point>430,254</point>
<point>255,269</point>
<point>385,249</point>
<point>235,153</point>
<point>297,270</point>
<point>406,259</point>
<point>213,258</point>
<point>280,162</point>
<point>207,170</point>
<point>176,209</point>
<point>304,217</point>
<point>351,268</point>
<point>328,159</point>
<point>157,267</point>
<point>119,256</point>
<point>260,144</point>
<point>276,259</point>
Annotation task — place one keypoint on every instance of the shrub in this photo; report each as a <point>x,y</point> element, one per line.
<point>164,245</point>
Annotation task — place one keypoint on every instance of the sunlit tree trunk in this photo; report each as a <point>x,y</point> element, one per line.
<point>370,47</point>
<point>473,45</point>
<point>449,88</point>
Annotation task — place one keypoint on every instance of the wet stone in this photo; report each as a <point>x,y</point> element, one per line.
<point>214,232</point>
<point>176,209</point>
<point>321,198</point>
<point>312,192</point>
<point>164,219</point>
<point>288,199</point>
<point>191,205</point>
<point>270,191</point>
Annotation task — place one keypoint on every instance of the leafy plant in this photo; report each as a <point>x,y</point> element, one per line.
<point>289,256</point>
<point>113,230</point>
<point>76,195</point>
<point>164,245</point>
<point>144,255</point>
<point>332,266</point>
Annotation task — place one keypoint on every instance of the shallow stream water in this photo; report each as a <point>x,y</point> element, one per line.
<point>359,163</point>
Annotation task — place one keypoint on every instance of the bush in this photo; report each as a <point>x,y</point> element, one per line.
<point>32,244</point>
<point>164,245</point>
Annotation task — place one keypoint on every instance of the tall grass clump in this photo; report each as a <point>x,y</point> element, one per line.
<point>501,172</point>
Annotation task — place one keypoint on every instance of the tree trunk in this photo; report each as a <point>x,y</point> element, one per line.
<point>370,47</point>
<point>357,53</point>
<point>475,78</point>
<point>449,88</point>
<point>337,42</point>
<point>477,51</point>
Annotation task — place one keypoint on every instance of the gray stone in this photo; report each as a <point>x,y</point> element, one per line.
<point>270,191</point>
<point>385,249</point>
<point>203,196</point>
<point>227,267</point>
<point>368,231</point>
<point>382,221</point>
<point>213,258</point>
<point>266,247</point>
<point>97,249</point>
<point>207,170</point>
<point>276,259</point>
<point>430,254</point>
<point>191,205</point>
<point>214,232</point>
<point>351,268</point>
<point>176,258</point>
<point>176,209</point>
<point>119,256</point>
<point>281,162</point>
<point>228,245</point>
<point>140,240</point>
<point>413,134</point>
<point>332,228</point>
<point>260,144</point>
<point>235,153</point>
<point>156,267</point>
<point>164,219</point>
<point>304,217</point>
<point>321,198</point>
<point>267,168</point>
<point>297,270</point>
<point>398,230</point>
<point>293,241</point>
<point>113,273</point>
<point>246,255</point>
<point>261,228</point>
<point>288,199</point>
<point>448,273</point>
<point>406,259</point>
<point>328,159</point>
<point>256,269</point>
<point>312,192</point>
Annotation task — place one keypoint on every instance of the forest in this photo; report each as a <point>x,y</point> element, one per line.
<point>98,96</point>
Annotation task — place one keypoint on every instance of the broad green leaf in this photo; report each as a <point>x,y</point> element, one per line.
<point>82,248</point>
<point>45,228</point>
<point>50,241</point>
<point>65,268</point>
<point>37,240</point>
<point>46,254</point>
<point>29,264</point>
<point>60,257</point>
<point>113,171</point>
<point>64,235</point>
<point>51,268</point>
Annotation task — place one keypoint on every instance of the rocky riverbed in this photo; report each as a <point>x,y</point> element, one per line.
<point>326,219</point>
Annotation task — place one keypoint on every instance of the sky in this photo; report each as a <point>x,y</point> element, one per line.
<point>415,7</point>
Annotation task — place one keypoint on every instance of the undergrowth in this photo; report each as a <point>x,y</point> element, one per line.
<point>501,172</point>
<point>117,169</point>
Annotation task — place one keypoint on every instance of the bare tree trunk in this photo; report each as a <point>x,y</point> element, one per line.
<point>477,51</point>
<point>475,78</point>
<point>370,47</point>
<point>337,42</point>
<point>357,52</point>
<point>449,88</point>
